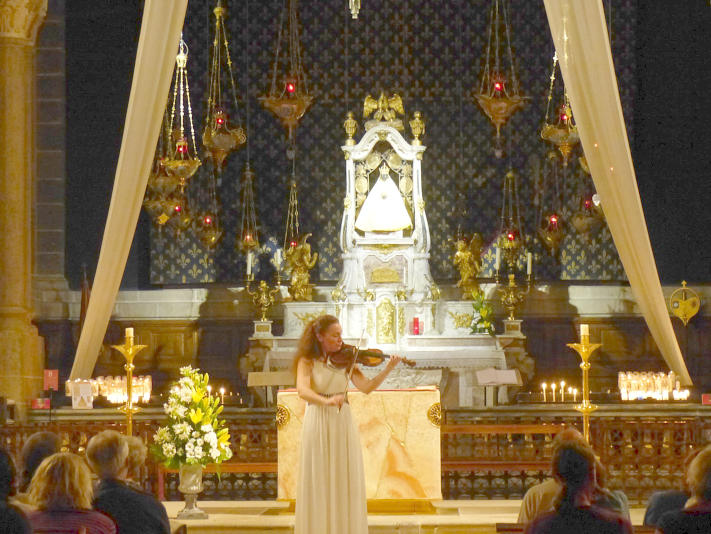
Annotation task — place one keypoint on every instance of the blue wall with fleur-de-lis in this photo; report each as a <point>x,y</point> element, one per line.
<point>428,52</point>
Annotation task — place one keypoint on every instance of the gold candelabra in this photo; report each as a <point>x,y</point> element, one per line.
<point>129,351</point>
<point>585,350</point>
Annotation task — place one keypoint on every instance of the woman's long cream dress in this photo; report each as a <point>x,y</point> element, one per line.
<point>330,492</point>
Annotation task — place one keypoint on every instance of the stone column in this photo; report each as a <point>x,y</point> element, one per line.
<point>21,349</point>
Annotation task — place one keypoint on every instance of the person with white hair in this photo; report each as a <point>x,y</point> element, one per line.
<point>134,511</point>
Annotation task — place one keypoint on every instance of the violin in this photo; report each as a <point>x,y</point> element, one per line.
<point>367,357</point>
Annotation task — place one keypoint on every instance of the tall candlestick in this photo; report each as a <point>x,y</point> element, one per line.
<point>497,263</point>
<point>222,395</point>
<point>529,263</point>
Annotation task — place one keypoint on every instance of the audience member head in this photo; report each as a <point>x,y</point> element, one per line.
<point>698,475</point>
<point>107,453</point>
<point>137,452</point>
<point>38,446</point>
<point>567,435</point>
<point>7,475</point>
<point>62,482</point>
<point>574,469</point>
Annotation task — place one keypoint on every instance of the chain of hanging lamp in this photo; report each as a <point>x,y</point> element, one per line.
<point>499,96</point>
<point>289,96</point>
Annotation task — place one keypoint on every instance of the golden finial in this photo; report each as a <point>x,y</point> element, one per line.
<point>351,126</point>
<point>417,125</point>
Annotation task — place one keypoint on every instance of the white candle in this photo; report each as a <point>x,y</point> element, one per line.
<point>529,263</point>
<point>562,391</point>
<point>584,330</point>
<point>553,391</point>
<point>249,263</point>
<point>277,258</point>
<point>497,263</point>
<point>543,388</point>
<point>129,332</point>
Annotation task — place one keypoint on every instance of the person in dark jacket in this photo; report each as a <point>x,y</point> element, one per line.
<point>134,511</point>
<point>12,520</point>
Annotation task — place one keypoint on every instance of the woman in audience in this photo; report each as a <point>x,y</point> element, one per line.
<point>37,447</point>
<point>541,498</point>
<point>61,490</point>
<point>574,469</point>
<point>137,452</point>
<point>12,520</point>
<point>695,518</point>
<point>133,511</point>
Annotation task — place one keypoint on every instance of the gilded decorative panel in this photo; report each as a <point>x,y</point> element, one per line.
<point>428,52</point>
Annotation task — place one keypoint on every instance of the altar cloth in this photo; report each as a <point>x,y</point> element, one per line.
<point>399,437</point>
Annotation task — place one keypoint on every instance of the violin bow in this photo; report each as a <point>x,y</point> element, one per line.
<point>352,365</point>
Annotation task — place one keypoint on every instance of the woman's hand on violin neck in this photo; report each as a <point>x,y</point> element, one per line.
<point>393,361</point>
<point>336,400</point>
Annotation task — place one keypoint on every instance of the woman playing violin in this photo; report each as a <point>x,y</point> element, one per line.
<point>330,494</point>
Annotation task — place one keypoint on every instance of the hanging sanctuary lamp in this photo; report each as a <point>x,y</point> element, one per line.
<point>182,160</point>
<point>551,225</point>
<point>499,94</point>
<point>163,199</point>
<point>511,238</point>
<point>218,138</point>
<point>288,96</point>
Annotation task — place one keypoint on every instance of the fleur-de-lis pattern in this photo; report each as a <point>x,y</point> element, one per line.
<point>430,53</point>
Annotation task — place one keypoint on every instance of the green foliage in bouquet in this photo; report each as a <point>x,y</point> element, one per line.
<point>483,322</point>
<point>194,433</point>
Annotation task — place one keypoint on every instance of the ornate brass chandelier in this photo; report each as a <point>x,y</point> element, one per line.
<point>562,131</point>
<point>288,96</point>
<point>182,160</point>
<point>218,138</point>
<point>549,197</point>
<point>511,237</point>
<point>248,238</point>
<point>589,219</point>
<point>499,95</point>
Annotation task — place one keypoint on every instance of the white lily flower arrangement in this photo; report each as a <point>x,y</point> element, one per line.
<point>194,434</point>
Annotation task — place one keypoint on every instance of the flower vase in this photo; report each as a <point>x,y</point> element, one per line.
<point>190,485</point>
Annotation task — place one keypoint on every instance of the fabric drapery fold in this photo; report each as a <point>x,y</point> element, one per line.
<point>161,26</point>
<point>580,35</point>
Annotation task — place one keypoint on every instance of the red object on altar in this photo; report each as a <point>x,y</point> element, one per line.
<point>416,326</point>
<point>51,379</point>
<point>706,398</point>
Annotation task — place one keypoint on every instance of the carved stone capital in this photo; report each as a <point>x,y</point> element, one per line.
<point>20,20</point>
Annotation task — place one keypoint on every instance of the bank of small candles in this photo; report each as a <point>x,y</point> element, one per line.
<point>556,390</point>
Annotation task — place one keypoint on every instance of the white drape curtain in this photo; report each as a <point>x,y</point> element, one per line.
<point>581,40</point>
<point>157,47</point>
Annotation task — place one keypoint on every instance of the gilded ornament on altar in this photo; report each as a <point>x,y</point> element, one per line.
<point>351,127</point>
<point>386,110</point>
<point>462,320</point>
<point>367,295</point>
<point>401,321</point>
<point>282,416</point>
<point>306,318</point>
<point>300,260</point>
<point>263,297</point>
<point>417,126</point>
<point>467,259</point>
<point>434,414</point>
<point>385,275</point>
<point>684,303</point>
<point>386,322</point>
<point>370,322</point>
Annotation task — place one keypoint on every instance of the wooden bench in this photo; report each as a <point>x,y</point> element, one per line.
<point>227,467</point>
